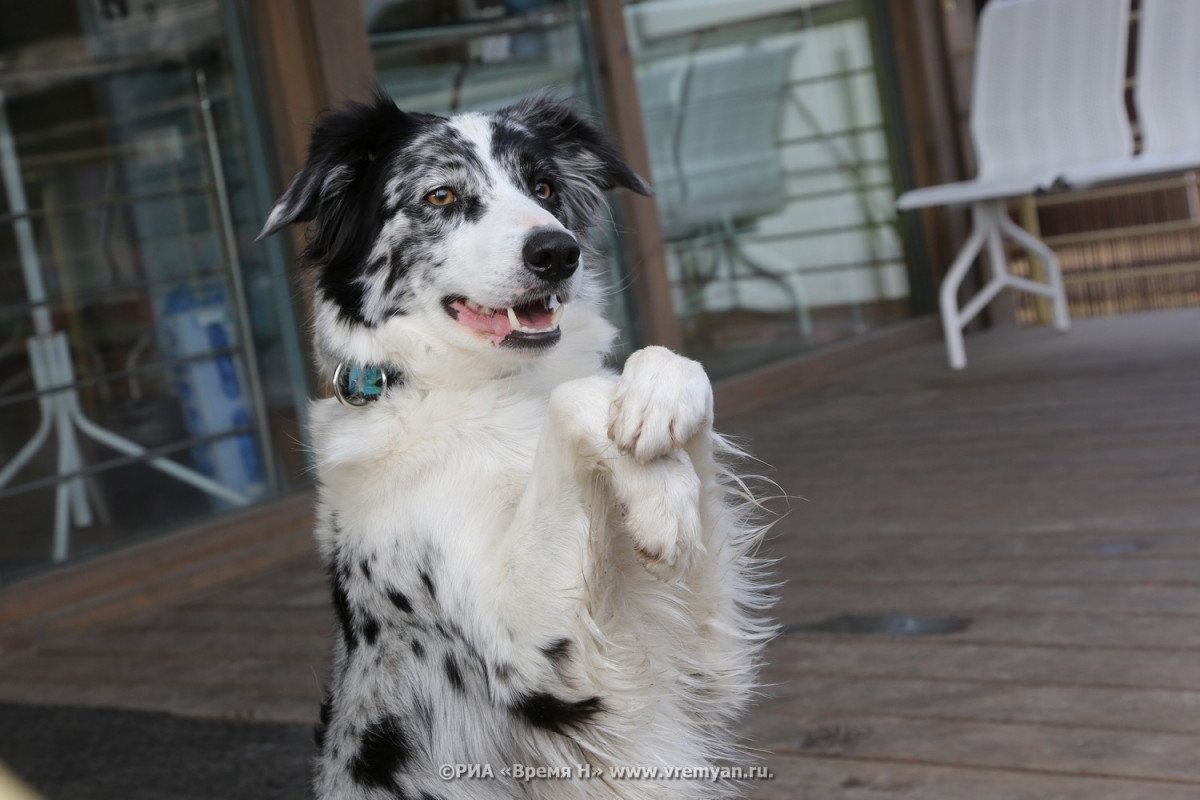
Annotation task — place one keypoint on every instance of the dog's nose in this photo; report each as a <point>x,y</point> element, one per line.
<point>551,255</point>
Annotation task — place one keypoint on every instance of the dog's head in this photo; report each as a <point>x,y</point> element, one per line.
<point>472,229</point>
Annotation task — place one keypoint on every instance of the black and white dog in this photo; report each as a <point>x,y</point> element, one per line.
<point>534,561</point>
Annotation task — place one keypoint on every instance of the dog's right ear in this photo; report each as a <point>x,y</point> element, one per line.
<point>343,144</point>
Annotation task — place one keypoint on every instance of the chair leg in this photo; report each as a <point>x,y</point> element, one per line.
<point>1057,290</point>
<point>990,224</point>
<point>953,320</point>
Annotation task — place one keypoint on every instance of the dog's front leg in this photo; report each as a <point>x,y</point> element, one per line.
<point>662,412</point>
<point>575,459</point>
<point>648,436</point>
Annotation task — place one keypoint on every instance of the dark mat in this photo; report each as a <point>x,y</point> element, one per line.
<point>70,753</point>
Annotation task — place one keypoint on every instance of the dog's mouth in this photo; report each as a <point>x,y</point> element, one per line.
<point>530,324</point>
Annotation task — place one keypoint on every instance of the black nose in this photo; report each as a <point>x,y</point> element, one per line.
<point>551,255</point>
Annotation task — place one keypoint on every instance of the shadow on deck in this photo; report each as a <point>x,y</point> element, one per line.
<point>1048,498</point>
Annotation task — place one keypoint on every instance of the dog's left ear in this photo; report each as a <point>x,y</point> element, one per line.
<point>577,136</point>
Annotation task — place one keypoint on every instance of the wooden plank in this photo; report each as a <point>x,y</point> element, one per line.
<point>919,659</point>
<point>294,87</point>
<point>1120,755</point>
<point>182,669</point>
<point>929,120</point>
<point>209,701</point>
<point>347,64</point>
<point>141,643</point>
<point>916,544</point>
<point>967,701</point>
<point>57,592</point>
<point>198,619</point>
<point>1086,570</point>
<point>980,598</point>
<point>1080,630</point>
<point>815,777</point>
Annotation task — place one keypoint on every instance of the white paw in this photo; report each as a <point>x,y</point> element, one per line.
<point>663,400</point>
<point>662,513</point>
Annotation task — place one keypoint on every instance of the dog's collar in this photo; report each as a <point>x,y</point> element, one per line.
<point>358,385</point>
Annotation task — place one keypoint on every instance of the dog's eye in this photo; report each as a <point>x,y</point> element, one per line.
<point>440,197</point>
<point>543,189</point>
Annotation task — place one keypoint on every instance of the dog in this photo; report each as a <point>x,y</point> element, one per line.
<point>539,568</point>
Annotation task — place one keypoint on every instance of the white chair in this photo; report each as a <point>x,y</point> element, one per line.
<point>1166,95</point>
<point>1048,95</point>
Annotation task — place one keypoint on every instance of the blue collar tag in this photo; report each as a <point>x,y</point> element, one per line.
<point>356,385</point>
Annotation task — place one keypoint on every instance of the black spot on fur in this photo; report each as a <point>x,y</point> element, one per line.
<point>558,653</point>
<point>454,674</point>
<point>341,607</point>
<point>545,711</point>
<point>503,672</point>
<point>558,650</point>
<point>323,726</point>
<point>385,747</point>
<point>400,601</point>
<point>418,649</point>
<point>429,587</point>
<point>371,630</point>
<point>365,566</point>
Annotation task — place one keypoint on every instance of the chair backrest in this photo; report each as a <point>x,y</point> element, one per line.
<point>712,126</point>
<point>1050,85</point>
<point>1168,67</point>
<point>729,156</point>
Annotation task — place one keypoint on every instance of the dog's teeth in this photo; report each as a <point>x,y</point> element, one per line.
<point>512,319</point>
<point>557,315</point>
<point>552,302</point>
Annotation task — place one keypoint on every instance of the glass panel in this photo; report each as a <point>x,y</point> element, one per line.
<point>129,401</point>
<point>481,55</point>
<point>770,154</point>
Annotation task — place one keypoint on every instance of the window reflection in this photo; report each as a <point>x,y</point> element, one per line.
<point>148,358</point>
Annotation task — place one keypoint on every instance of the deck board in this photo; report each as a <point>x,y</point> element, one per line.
<point>1050,493</point>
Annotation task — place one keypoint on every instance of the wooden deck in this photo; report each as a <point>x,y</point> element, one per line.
<point>1050,494</point>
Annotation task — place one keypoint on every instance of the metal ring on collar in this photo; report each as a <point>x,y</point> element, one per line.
<point>356,386</point>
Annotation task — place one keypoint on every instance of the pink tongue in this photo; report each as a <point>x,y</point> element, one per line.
<point>497,324</point>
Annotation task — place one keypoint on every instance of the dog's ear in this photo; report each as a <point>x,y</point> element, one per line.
<point>580,139</point>
<point>318,181</point>
<point>343,145</point>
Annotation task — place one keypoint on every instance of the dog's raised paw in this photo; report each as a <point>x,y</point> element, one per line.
<point>663,401</point>
<point>662,515</point>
